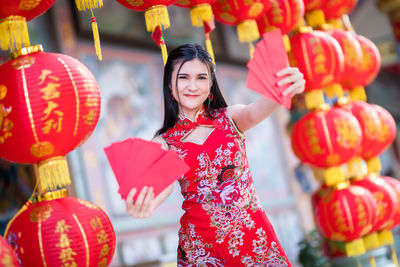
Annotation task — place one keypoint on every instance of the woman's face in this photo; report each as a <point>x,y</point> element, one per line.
<point>191,86</point>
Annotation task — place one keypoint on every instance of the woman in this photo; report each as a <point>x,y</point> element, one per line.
<point>224,223</point>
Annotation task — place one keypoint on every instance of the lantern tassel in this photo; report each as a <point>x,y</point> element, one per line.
<point>88,4</point>
<point>372,261</point>
<point>248,31</point>
<point>358,262</point>
<point>200,13</point>
<point>358,93</point>
<point>156,16</point>
<point>96,38</point>
<point>53,174</point>
<point>163,50</point>
<point>394,256</point>
<point>13,33</point>
<point>209,47</point>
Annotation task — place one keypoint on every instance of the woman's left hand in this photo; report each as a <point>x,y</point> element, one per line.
<point>295,78</point>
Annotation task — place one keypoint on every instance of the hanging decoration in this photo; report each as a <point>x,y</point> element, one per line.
<point>156,16</point>
<point>243,14</point>
<point>90,5</point>
<point>49,104</point>
<point>320,58</point>
<point>57,230</point>
<point>202,16</point>
<point>13,17</point>
<point>345,215</point>
<point>327,138</point>
<point>284,15</point>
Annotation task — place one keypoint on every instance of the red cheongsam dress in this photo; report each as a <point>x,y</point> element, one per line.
<point>224,223</point>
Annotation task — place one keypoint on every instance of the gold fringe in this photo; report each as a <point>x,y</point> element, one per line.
<point>209,47</point>
<point>315,18</point>
<point>355,168</point>
<point>96,38</point>
<point>371,241</point>
<point>13,33</point>
<point>334,175</point>
<point>374,165</point>
<point>47,196</point>
<point>372,261</point>
<point>358,93</point>
<point>354,248</point>
<point>386,238</point>
<point>314,99</point>
<point>88,4</point>
<point>394,256</point>
<point>53,174</point>
<point>164,52</point>
<point>248,31</point>
<point>286,42</point>
<point>200,13</point>
<point>251,50</point>
<point>156,16</point>
<point>334,90</point>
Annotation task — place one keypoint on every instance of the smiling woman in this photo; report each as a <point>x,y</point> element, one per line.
<point>224,223</point>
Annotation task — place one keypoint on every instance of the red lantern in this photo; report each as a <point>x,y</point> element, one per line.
<point>62,231</point>
<point>347,214</point>
<point>395,184</point>
<point>320,58</point>
<point>368,70</point>
<point>284,15</point>
<point>243,14</point>
<point>352,59</point>
<point>388,127</point>
<point>387,205</point>
<point>7,255</point>
<point>312,4</point>
<point>50,103</point>
<point>327,139</point>
<point>335,9</point>
<point>13,17</point>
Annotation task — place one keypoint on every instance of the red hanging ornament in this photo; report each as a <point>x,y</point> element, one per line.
<point>326,139</point>
<point>320,58</point>
<point>49,104</point>
<point>57,230</point>
<point>13,17</point>
<point>284,15</point>
<point>335,9</point>
<point>388,127</point>
<point>395,184</point>
<point>345,215</point>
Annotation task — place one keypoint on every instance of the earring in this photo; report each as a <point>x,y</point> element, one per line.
<point>172,97</point>
<point>211,96</point>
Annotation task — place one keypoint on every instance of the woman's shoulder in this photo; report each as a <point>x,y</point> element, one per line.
<point>159,139</point>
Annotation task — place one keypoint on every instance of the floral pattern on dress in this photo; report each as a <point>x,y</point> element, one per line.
<point>224,223</point>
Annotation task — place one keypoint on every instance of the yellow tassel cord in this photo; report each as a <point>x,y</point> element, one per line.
<point>315,18</point>
<point>156,16</point>
<point>200,13</point>
<point>53,174</point>
<point>358,93</point>
<point>374,165</point>
<point>209,47</point>
<point>13,33</point>
<point>358,262</point>
<point>314,99</point>
<point>248,31</point>
<point>355,248</point>
<point>164,52</point>
<point>334,90</point>
<point>372,261</point>
<point>96,38</point>
<point>286,42</point>
<point>394,256</point>
<point>251,50</point>
<point>88,4</point>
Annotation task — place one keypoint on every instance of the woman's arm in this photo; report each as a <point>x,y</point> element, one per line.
<point>248,116</point>
<point>145,203</point>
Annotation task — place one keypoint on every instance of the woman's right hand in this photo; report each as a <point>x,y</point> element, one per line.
<point>144,205</point>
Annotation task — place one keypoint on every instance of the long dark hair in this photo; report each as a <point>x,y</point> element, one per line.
<point>177,58</point>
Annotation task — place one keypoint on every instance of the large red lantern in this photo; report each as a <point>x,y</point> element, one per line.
<point>395,184</point>
<point>58,230</point>
<point>345,215</point>
<point>243,14</point>
<point>326,139</point>
<point>284,15</point>
<point>387,205</point>
<point>368,70</point>
<point>388,127</point>
<point>352,59</point>
<point>50,103</point>
<point>13,17</point>
<point>335,9</point>
<point>7,255</point>
<point>320,58</point>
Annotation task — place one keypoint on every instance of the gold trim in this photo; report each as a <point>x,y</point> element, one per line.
<point>50,196</point>
<point>41,242</point>
<point>76,94</point>
<point>28,104</point>
<point>84,240</point>
<point>327,135</point>
<point>26,51</point>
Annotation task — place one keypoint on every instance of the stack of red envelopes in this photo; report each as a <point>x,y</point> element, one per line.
<point>269,58</point>
<point>137,163</point>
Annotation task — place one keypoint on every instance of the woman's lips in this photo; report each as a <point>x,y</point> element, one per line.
<point>191,96</point>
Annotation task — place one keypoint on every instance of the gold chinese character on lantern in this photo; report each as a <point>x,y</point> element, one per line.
<point>346,134</point>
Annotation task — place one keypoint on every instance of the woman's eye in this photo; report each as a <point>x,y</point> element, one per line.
<point>202,77</point>
<point>182,77</point>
